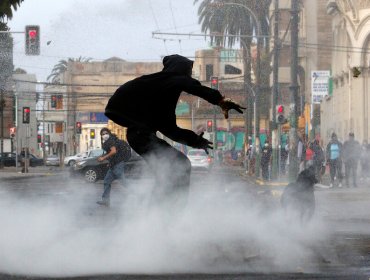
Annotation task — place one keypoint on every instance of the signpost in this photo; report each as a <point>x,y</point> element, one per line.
<point>319,85</point>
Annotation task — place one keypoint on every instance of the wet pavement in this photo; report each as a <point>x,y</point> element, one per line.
<point>344,255</point>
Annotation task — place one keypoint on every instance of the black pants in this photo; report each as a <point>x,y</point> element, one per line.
<point>171,167</point>
<point>335,166</point>
<point>265,170</point>
<point>351,170</point>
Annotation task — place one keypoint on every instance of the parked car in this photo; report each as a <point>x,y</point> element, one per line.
<point>199,159</point>
<point>52,160</point>
<point>34,160</point>
<point>71,160</point>
<point>7,159</point>
<point>93,170</point>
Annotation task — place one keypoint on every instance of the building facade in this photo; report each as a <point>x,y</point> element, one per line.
<point>346,109</point>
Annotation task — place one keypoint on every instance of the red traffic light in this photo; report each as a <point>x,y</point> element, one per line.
<point>214,82</point>
<point>27,110</point>
<point>78,124</point>
<point>280,109</point>
<point>32,33</point>
<point>209,126</point>
<point>32,40</point>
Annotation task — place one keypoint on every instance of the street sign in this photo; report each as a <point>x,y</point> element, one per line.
<point>319,85</point>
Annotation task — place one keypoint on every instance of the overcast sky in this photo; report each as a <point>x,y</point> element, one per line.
<point>102,29</point>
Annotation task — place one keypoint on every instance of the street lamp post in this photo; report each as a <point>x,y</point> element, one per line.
<point>255,93</point>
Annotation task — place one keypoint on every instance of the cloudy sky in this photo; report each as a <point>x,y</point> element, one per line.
<point>102,29</point>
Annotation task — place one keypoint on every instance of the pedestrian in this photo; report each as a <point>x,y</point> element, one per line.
<point>266,160</point>
<point>146,105</point>
<point>318,159</point>
<point>351,156</point>
<point>364,160</point>
<point>284,152</point>
<point>301,153</point>
<point>309,155</point>
<point>117,152</point>
<point>334,158</point>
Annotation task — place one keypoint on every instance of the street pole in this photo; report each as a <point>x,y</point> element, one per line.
<point>2,105</point>
<point>294,88</point>
<point>275,95</point>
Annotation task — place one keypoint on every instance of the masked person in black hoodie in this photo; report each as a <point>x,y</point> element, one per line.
<point>116,152</point>
<point>147,104</point>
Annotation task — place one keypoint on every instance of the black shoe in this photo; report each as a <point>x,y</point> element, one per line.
<point>103,203</point>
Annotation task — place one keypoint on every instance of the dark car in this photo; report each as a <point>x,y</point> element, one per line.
<point>93,170</point>
<point>7,159</point>
<point>34,161</point>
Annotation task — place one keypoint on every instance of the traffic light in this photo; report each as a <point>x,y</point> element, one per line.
<point>214,82</point>
<point>38,138</point>
<point>356,72</point>
<point>280,117</point>
<point>92,133</point>
<point>32,40</point>
<point>209,126</point>
<point>78,127</point>
<point>26,115</point>
<point>53,101</point>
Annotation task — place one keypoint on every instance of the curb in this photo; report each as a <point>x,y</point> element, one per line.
<point>23,177</point>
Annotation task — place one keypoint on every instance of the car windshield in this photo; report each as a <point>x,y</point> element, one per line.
<point>197,153</point>
<point>96,153</point>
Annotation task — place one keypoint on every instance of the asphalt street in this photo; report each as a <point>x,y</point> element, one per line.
<point>231,229</point>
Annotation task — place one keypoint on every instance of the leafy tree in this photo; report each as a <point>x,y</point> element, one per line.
<point>61,67</point>
<point>6,8</point>
<point>221,18</point>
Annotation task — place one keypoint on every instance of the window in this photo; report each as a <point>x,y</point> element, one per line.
<point>232,70</point>
<point>209,72</point>
<point>59,104</point>
<point>59,127</point>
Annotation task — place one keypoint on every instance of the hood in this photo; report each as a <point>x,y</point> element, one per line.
<point>177,64</point>
<point>307,177</point>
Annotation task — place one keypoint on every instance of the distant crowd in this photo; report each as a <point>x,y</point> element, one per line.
<point>344,162</point>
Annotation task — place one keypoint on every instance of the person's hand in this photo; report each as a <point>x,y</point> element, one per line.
<point>203,143</point>
<point>227,104</point>
<point>100,159</point>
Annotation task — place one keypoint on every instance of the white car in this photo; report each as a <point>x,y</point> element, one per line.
<point>52,160</point>
<point>199,159</point>
<point>71,160</point>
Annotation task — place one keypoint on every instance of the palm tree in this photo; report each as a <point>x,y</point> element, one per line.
<point>217,17</point>
<point>6,7</point>
<point>61,67</point>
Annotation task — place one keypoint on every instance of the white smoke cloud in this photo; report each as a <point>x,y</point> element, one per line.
<point>232,230</point>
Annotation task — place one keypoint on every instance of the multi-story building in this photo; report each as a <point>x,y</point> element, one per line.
<point>25,103</point>
<point>89,87</point>
<point>313,54</point>
<point>346,109</point>
<point>52,117</point>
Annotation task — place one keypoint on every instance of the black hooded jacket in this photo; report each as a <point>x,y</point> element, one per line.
<point>149,102</point>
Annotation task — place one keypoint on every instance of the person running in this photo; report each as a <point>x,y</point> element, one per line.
<point>334,158</point>
<point>117,152</point>
<point>146,105</point>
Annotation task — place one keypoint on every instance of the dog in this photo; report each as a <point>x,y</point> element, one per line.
<point>298,198</point>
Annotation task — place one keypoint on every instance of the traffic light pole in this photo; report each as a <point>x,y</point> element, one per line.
<point>275,96</point>
<point>294,87</point>
<point>214,131</point>
<point>2,104</point>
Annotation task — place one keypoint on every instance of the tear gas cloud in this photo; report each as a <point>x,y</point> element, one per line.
<point>223,228</point>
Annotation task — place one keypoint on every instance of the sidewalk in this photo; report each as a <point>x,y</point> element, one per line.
<point>13,173</point>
